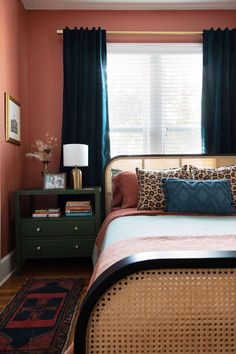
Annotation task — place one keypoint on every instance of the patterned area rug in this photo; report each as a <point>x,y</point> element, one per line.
<point>38,319</point>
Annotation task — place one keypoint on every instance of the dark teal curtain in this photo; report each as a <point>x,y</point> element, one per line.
<point>219,91</point>
<point>85,106</point>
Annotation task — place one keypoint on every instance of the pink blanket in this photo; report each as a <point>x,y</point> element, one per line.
<point>125,248</point>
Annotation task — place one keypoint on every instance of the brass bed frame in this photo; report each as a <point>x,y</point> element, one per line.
<point>161,302</point>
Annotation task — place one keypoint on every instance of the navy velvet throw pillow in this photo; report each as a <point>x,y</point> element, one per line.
<point>198,196</point>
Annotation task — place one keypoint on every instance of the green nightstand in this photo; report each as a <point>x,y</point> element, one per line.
<point>62,236</point>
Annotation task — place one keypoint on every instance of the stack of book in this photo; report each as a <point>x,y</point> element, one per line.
<point>54,213</point>
<point>78,208</point>
<point>40,213</point>
<point>47,213</point>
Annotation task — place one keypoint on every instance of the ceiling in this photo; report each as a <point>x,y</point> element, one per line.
<point>129,4</point>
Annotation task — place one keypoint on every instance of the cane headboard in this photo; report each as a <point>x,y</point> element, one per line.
<point>158,162</point>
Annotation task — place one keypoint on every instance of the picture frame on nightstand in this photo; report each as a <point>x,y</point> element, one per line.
<point>54,180</point>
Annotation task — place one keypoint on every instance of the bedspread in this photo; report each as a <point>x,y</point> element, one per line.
<point>180,232</point>
<point>174,219</point>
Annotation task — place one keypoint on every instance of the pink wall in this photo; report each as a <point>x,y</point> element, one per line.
<point>31,71</point>
<point>13,74</point>
<point>45,57</point>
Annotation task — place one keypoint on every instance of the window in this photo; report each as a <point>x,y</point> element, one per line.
<point>154,93</point>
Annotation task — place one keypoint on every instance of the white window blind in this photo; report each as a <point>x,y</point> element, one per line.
<point>154,93</point>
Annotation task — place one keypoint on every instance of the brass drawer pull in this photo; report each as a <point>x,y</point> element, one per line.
<point>76,228</point>
<point>38,229</point>
<point>38,248</point>
<point>76,246</point>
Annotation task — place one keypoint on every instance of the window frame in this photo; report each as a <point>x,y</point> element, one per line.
<point>151,128</point>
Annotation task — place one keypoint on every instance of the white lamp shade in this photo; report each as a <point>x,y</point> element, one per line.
<point>75,155</point>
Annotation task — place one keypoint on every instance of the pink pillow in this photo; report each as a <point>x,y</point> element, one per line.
<point>125,190</point>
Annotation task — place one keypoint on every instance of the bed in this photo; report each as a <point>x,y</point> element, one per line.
<point>163,281</point>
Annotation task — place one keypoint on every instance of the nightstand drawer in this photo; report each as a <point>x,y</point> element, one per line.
<point>50,248</point>
<point>58,227</point>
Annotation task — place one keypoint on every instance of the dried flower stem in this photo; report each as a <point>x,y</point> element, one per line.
<point>44,150</point>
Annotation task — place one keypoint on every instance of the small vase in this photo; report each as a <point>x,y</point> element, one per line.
<point>45,167</point>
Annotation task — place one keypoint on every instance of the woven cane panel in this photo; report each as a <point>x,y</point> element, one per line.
<point>166,311</point>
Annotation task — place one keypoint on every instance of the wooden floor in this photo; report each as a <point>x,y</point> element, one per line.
<point>79,268</point>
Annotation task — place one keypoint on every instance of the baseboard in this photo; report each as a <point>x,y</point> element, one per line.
<point>7,266</point>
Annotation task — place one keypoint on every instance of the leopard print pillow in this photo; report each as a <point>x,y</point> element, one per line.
<point>150,192</point>
<point>228,172</point>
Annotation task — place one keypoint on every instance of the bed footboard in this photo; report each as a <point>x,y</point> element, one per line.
<point>162,303</point>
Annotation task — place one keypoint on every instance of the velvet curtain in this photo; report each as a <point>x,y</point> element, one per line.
<point>219,91</point>
<point>85,106</point>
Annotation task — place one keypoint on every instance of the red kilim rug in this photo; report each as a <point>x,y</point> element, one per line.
<point>38,319</point>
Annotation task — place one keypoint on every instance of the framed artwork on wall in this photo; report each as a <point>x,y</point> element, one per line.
<point>54,180</point>
<point>13,120</point>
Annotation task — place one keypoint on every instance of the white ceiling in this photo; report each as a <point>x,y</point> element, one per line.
<point>128,4</point>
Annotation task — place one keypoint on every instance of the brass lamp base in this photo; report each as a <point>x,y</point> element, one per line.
<point>76,178</point>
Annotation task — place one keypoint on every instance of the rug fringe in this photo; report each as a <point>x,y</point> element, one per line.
<point>66,346</point>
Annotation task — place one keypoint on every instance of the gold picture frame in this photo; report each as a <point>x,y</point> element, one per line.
<point>54,180</point>
<point>13,120</point>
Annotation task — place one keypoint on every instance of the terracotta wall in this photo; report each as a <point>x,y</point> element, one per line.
<point>13,80</point>
<point>45,75</point>
<point>45,57</point>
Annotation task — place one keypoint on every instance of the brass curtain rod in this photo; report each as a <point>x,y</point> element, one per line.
<point>165,33</point>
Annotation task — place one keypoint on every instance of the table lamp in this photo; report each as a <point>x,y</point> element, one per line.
<point>75,155</point>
